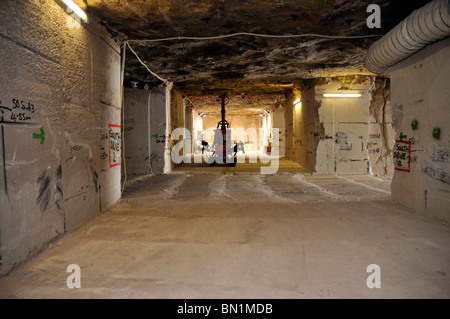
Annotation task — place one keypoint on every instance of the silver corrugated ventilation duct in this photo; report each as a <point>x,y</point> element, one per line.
<point>424,26</point>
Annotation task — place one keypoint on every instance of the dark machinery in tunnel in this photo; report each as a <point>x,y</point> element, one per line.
<point>222,151</point>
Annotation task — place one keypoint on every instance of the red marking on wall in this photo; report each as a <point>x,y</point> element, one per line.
<point>114,146</point>
<point>402,156</point>
<point>168,143</point>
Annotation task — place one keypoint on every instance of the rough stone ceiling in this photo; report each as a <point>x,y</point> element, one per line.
<point>244,63</point>
<point>244,104</point>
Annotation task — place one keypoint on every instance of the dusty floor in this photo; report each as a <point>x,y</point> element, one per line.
<point>224,235</point>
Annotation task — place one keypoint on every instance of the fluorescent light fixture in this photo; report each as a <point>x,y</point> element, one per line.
<point>342,95</point>
<point>260,114</point>
<point>75,8</point>
<point>297,101</point>
<point>267,111</point>
<point>203,115</point>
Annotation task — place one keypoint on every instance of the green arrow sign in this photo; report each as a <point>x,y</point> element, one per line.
<point>40,136</point>
<point>154,135</point>
<point>402,136</point>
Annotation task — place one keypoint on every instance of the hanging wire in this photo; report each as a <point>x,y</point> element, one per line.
<point>166,82</point>
<point>261,36</point>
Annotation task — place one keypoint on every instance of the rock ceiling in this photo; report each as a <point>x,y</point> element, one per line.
<point>245,64</point>
<point>243,104</point>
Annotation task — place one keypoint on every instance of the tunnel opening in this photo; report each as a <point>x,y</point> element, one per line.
<point>317,134</point>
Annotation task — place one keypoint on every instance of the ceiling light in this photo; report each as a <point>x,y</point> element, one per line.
<point>260,114</point>
<point>297,101</point>
<point>203,115</point>
<point>342,95</point>
<point>75,8</point>
<point>267,111</point>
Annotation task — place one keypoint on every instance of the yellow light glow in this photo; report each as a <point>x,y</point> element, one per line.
<point>342,95</point>
<point>297,101</point>
<point>75,8</point>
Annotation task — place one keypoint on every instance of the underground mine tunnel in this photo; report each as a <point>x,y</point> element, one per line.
<point>224,149</point>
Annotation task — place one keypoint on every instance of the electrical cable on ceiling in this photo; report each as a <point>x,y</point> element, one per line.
<point>153,73</point>
<point>127,42</point>
<point>260,35</point>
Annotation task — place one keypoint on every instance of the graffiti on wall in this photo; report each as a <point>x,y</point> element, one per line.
<point>440,154</point>
<point>437,173</point>
<point>103,152</point>
<point>414,150</point>
<point>373,146</point>
<point>21,111</point>
<point>50,189</point>
<point>44,191</point>
<point>342,141</point>
<point>129,125</point>
<point>17,112</point>
<point>434,170</point>
<point>159,138</point>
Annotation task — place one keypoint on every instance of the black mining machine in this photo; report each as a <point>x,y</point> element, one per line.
<point>222,151</point>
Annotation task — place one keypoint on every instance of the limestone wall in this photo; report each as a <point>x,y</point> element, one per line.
<point>341,135</point>
<point>60,125</point>
<point>420,92</point>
